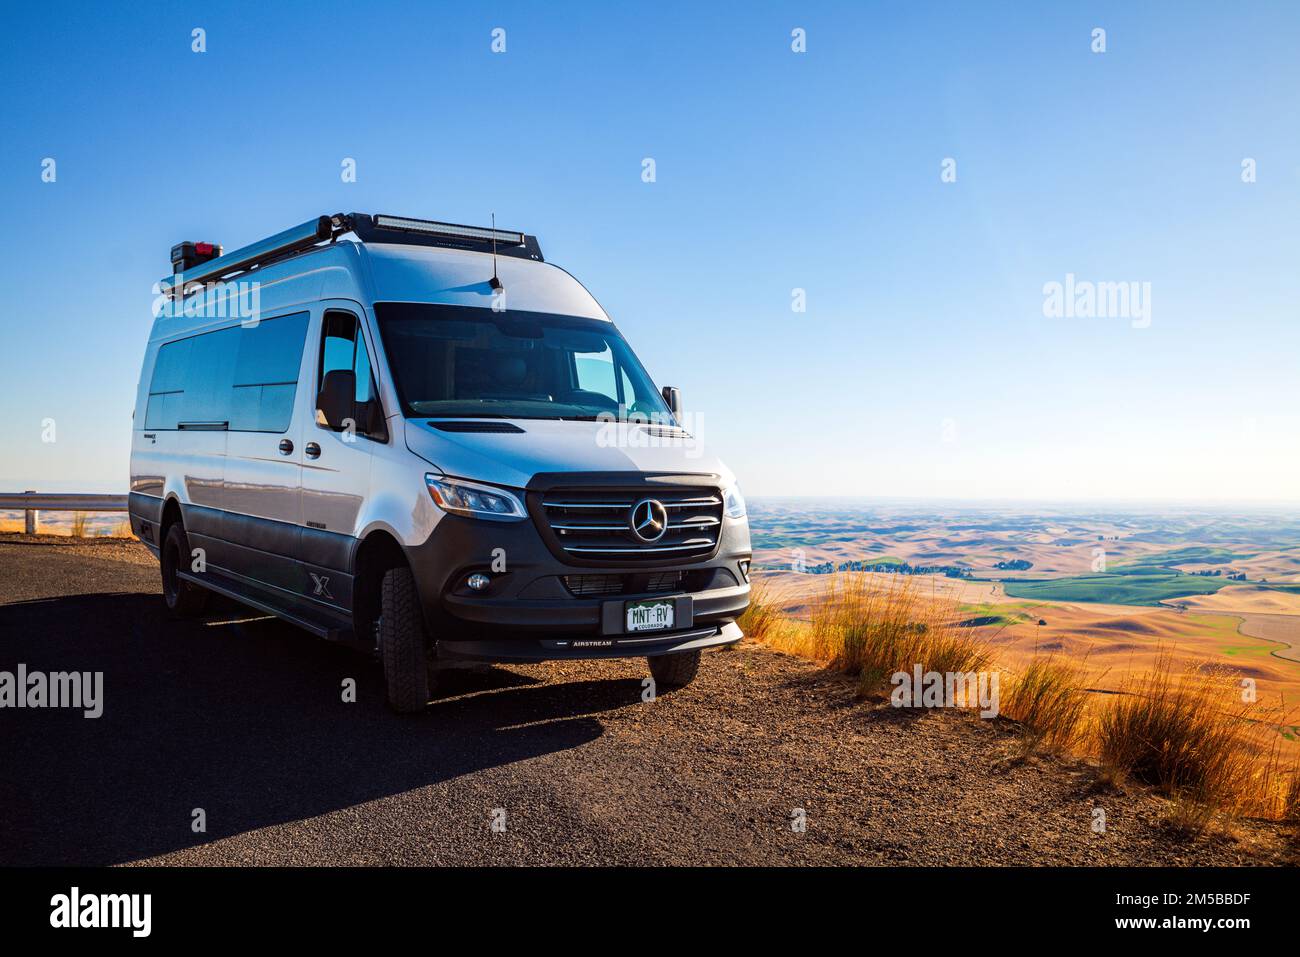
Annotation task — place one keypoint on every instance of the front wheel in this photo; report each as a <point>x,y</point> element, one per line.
<point>184,599</point>
<point>402,643</point>
<point>674,671</point>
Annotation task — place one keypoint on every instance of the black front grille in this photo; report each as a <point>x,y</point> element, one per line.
<point>584,586</point>
<point>594,524</point>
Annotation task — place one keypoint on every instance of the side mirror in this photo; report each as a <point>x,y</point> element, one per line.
<point>673,399</point>
<point>337,399</point>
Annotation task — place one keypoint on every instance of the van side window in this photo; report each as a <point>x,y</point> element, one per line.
<point>242,378</point>
<point>191,382</point>
<point>266,374</point>
<point>343,347</point>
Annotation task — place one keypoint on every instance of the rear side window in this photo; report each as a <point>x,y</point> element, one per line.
<point>191,382</point>
<point>242,378</point>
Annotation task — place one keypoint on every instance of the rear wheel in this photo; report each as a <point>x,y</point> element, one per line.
<point>184,599</point>
<point>402,643</point>
<point>674,671</point>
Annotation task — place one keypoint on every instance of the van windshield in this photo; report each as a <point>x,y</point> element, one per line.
<point>472,362</point>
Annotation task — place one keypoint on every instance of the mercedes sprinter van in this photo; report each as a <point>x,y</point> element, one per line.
<point>423,438</point>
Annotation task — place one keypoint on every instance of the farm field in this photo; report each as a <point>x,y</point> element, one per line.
<point>1035,543</point>
<point>1160,591</point>
<point>1115,589</point>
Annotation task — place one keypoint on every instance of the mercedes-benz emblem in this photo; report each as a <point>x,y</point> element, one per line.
<point>648,520</point>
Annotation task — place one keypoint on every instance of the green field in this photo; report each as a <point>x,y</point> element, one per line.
<point>1196,554</point>
<point>1191,555</point>
<point>985,621</point>
<point>1005,613</point>
<point>1288,587</point>
<point>1115,589</point>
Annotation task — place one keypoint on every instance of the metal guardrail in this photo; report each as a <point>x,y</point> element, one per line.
<point>33,503</point>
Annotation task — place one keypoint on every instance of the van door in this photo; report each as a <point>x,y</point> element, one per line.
<point>263,475</point>
<point>335,464</point>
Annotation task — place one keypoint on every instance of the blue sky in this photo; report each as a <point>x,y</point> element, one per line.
<point>923,366</point>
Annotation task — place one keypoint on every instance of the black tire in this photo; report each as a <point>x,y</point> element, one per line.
<point>402,643</point>
<point>184,599</point>
<point>674,671</point>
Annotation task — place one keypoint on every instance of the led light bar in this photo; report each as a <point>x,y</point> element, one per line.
<point>450,230</point>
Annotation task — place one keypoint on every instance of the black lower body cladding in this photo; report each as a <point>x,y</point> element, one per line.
<point>534,608</point>
<point>540,603</point>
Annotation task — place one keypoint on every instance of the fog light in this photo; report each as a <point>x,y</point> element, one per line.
<point>478,581</point>
<point>744,569</point>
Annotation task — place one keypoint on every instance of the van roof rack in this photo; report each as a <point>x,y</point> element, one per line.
<point>204,262</point>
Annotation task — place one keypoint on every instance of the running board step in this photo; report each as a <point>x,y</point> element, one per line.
<point>234,593</point>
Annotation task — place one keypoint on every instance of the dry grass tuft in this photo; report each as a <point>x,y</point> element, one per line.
<point>1191,737</point>
<point>763,618</point>
<point>1188,816</point>
<point>78,528</point>
<point>1050,702</point>
<point>1291,799</point>
<point>873,627</point>
<point>1290,812</point>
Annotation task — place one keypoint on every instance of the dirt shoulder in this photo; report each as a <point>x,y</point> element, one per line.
<point>129,550</point>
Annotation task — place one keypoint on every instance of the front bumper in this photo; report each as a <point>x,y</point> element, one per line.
<point>528,613</point>
<point>626,646</point>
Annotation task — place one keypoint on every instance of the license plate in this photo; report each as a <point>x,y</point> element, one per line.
<point>649,615</point>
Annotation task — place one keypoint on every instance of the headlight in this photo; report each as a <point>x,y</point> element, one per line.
<point>477,501</point>
<point>734,502</point>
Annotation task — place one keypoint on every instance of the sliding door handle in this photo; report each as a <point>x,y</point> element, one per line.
<point>312,450</point>
<point>286,447</point>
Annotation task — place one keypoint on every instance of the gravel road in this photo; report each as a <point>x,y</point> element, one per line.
<point>243,717</point>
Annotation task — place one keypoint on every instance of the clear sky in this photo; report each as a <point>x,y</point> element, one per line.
<point>923,365</point>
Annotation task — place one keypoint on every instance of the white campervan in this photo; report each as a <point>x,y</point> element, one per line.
<point>422,438</point>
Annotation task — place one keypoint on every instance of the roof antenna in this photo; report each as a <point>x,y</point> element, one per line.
<point>495,283</point>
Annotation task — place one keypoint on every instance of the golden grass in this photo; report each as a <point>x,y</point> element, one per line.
<point>1290,813</point>
<point>1189,814</point>
<point>1189,736</point>
<point>763,618</point>
<point>1291,800</point>
<point>78,525</point>
<point>873,627</point>
<point>1050,701</point>
<point>1164,731</point>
